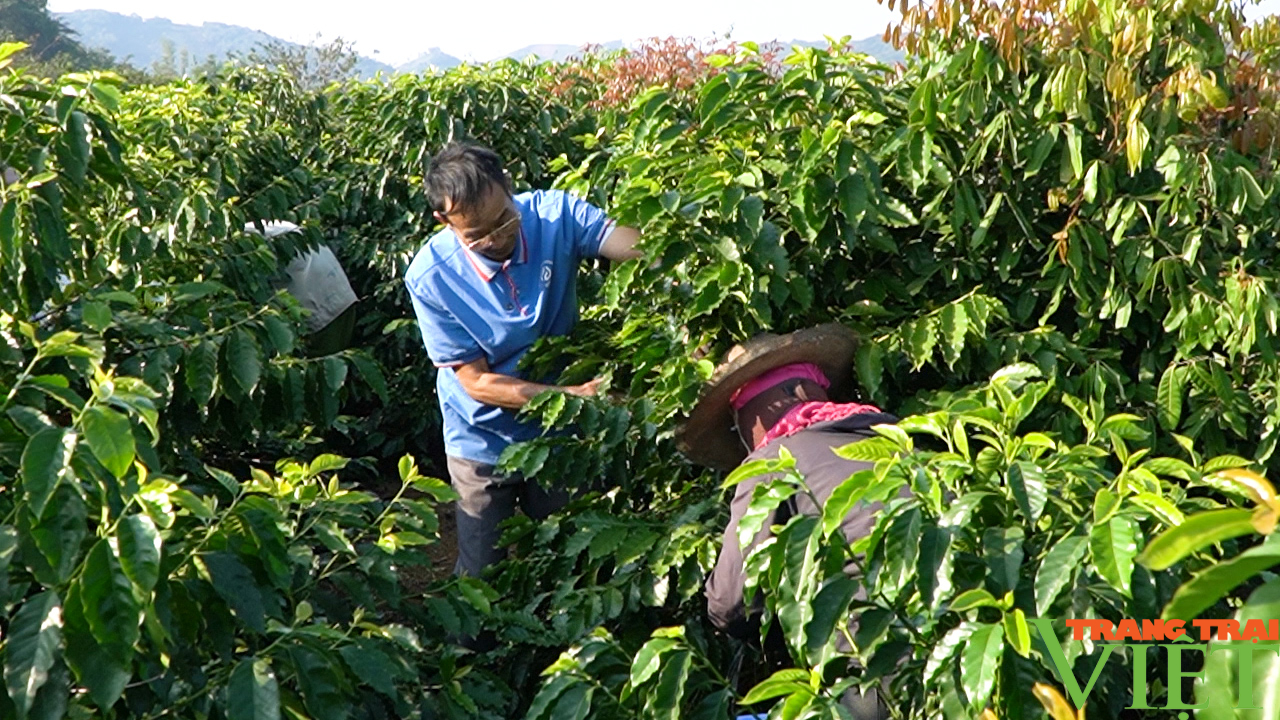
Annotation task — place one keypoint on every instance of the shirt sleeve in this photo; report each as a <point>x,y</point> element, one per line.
<point>589,225</point>
<point>448,342</point>
<point>726,585</point>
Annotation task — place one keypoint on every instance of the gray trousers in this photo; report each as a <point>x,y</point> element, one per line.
<point>485,499</point>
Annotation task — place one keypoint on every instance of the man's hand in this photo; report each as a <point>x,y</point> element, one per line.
<point>586,389</point>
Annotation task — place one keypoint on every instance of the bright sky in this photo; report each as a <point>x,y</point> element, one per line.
<point>399,30</point>
<point>396,31</point>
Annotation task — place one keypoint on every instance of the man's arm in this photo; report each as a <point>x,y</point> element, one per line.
<point>621,244</point>
<point>491,388</point>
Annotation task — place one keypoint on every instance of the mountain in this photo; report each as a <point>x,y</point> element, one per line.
<point>435,58</point>
<point>873,46</point>
<point>144,42</point>
<point>557,53</point>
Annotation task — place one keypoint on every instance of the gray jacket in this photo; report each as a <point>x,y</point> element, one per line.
<point>823,471</point>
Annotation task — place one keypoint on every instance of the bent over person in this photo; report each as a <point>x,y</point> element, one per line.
<point>772,393</point>
<point>501,274</point>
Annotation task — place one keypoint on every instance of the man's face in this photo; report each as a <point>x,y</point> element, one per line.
<point>491,227</point>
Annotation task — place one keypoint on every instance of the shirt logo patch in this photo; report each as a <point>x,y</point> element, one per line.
<point>546,273</point>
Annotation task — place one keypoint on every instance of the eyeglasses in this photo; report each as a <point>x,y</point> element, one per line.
<point>494,236</point>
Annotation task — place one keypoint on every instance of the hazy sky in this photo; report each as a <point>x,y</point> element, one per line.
<point>399,30</point>
<point>396,31</point>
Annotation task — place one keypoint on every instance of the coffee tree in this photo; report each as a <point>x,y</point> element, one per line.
<point>1052,231</point>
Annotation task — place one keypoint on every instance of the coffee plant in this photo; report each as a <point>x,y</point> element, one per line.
<point>1054,230</point>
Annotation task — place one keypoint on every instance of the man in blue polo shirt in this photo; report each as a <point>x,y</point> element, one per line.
<point>500,275</point>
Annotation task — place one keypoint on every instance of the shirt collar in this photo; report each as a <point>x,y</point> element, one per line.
<point>488,269</point>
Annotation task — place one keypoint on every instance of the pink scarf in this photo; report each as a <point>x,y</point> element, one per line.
<point>805,414</point>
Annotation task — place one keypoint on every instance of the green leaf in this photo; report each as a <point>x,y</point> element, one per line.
<point>372,666</point>
<point>782,682</point>
<point>201,371</point>
<point>335,374</point>
<point>765,498</point>
<point>1195,533</point>
<point>233,581</point>
<point>252,691</point>
<point>73,151</point>
<point>280,334</point>
<point>1114,545</point>
<point>1029,490</point>
<point>1003,550</point>
<point>244,359</point>
<point>844,498</point>
<point>46,459</point>
<point>979,662</point>
<point>574,704</point>
<point>326,462</point>
<point>751,469</point>
<point>1206,588</point>
<point>8,49</point>
<point>1257,198</point>
<point>869,363</point>
<point>110,607</point>
<point>331,536</point>
<point>901,551</point>
<point>976,598</point>
<point>941,654</point>
<point>1169,397</point>
<point>1057,570</point>
<point>1073,150</point>
<point>649,659</point>
<point>869,450</point>
<point>1041,151</point>
<point>548,694</point>
<point>1091,181</point>
<point>933,572</point>
<point>980,233</point>
<point>752,210</point>
<point>51,544</point>
<point>830,606</point>
<point>1136,141</point>
<point>103,670</point>
<point>320,683</point>
<point>97,315</point>
<point>110,438</point>
<point>371,373</point>
<point>920,337</point>
<point>139,544</point>
<point>955,326</point>
<point>1017,632</point>
<point>665,701</point>
<point>31,648</point>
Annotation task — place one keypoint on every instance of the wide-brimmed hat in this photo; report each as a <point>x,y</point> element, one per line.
<point>707,437</point>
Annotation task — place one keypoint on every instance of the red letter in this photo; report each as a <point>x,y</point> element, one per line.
<point>1077,628</point>
<point>1152,630</point>
<point>1104,627</point>
<point>1255,630</point>
<point>1229,630</point>
<point>1174,629</point>
<point>1206,628</point>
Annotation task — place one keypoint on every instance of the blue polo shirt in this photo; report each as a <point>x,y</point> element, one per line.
<point>469,306</point>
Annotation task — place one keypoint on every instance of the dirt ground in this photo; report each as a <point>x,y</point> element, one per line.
<point>443,552</point>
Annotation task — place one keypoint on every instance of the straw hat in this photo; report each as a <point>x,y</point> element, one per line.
<point>707,437</point>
